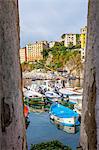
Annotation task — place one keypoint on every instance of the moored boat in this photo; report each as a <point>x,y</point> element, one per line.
<point>26,111</point>
<point>76,98</point>
<point>33,96</point>
<point>78,108</point>
<point>72,96</point>
<point>65,118</point>
<point>52,96</point>
<point>68,91</point>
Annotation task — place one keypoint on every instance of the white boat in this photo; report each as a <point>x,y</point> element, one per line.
<point>52,95</point>
<point>75,98</point>
<point>68,91</point>
<point>24,89</point>
<point>32,94</point>
<point>78,108</point>
<point>79,90</point>
<point>64,117</point>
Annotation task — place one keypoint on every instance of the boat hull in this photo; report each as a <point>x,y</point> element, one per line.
<point>64,118</point>
<point>69,129</point>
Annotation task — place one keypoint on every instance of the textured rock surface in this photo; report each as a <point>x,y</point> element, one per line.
<point>12,125</point>
<point>90,115</point>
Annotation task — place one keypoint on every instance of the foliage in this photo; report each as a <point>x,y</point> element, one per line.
<point>45,53</point>
<point>78,37</point>
<point>52,145</point>
<point>68,104</point>
<point>77,46</point>
<point>62,55</point>
<point>63,36</point>
<point>27,66</point>
<point>74,62</point>
<point>59,44</point>
<point>39,64</point>
<point>70,46</point>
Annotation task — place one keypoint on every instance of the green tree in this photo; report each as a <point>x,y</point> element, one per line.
<point>62,55</point>
<point>52,145</point>
<point>45,53</point>
<point>70,46</point>
<point>63,36</point>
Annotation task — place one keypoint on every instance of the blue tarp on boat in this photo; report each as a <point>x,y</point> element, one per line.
<point>62,111</point>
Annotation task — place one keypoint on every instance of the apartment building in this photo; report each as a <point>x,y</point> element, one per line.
<point>72,39</point>
<point>34,51</point>
<point>23,55</point>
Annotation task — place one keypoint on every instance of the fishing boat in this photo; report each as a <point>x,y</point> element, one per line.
<point>71,95</point>
<point>26,111</point>
<point>78,108</point>
<point>30,94</point>
<point>52,96</point>
<point>76,98</point>
<point>26,115</point>
<point>64,118</point>
<point>68,91</point>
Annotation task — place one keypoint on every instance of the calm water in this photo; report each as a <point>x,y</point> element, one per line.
<point>40,129</point>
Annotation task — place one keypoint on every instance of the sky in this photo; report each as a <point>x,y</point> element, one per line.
<point>49,19</point>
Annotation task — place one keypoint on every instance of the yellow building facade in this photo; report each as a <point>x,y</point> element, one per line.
<point>83,37</point>
<point>83,40</point>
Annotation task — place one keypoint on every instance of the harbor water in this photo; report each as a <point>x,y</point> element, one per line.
<point>41,129</point>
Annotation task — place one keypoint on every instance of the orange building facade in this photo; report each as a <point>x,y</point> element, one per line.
<point>34,51</point>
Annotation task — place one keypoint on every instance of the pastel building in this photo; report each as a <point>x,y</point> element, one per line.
<point>83,37</point>
<point>83,42</point>
<point>23,55</point>
<point>34,51</point>
<point>71,38</point>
